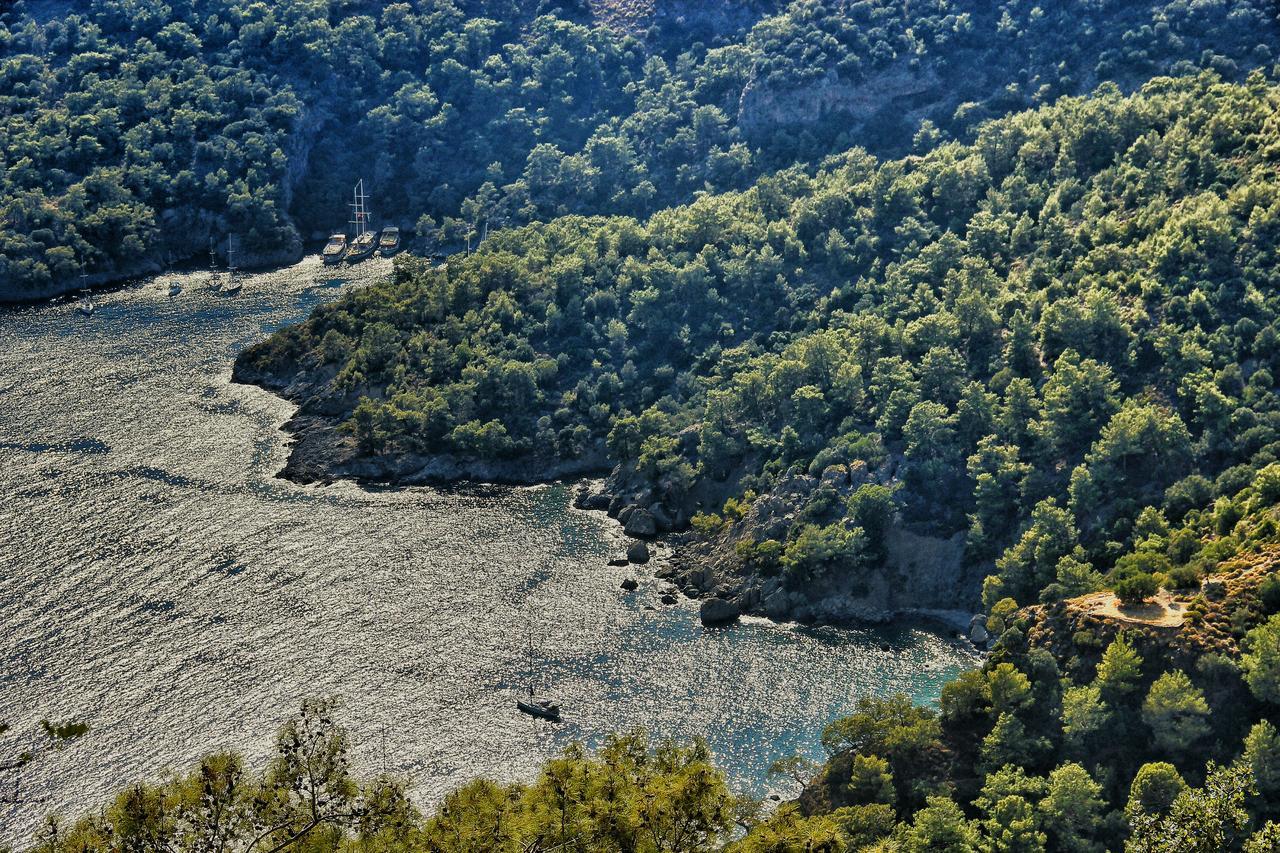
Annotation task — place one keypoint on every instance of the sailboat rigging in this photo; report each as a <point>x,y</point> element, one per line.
<point>533,705</point>
<point>234,280</point>
<point>86,306</point>
<point>365,241</point>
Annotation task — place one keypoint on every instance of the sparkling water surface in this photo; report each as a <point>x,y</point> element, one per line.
<point>158,581</point>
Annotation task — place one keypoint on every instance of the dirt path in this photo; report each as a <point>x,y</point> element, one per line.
<point>1161,611</point>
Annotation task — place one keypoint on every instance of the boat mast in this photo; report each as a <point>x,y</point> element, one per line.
<point>231,256</point>
<point>360,210</point>
<point>532,670</point>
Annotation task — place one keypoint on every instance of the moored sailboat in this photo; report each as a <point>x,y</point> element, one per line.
<point>234,280</point>
<point>534,705</point>
<point>365,241</point>
<point>85,306</point>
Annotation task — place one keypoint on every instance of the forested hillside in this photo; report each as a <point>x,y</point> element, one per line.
<point>133,132</point>
<point>1031,338</point>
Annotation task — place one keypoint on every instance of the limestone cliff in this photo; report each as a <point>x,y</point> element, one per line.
<point>919,574</point>
<point>712,17</point>
<point>906,90</point>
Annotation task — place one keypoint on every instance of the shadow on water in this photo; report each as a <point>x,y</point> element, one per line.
<point>87,446</point>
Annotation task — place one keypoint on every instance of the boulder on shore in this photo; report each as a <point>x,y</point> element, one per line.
<point>630,584</point>
<point>668,598</point>
<point>638,553</point>
<point>717,611</point>
<point>640,524</point>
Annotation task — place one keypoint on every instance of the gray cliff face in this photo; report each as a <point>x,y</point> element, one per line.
<point>921,575</point>
<point>897,88</point>
<point>712,16</point>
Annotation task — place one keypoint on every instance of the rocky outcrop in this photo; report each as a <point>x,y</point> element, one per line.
<point>896,89</point>
<point>640,522</point>
<point>712,17</point>
<point>320,453</point>
<point>921,575</point>
<point>717,611</point>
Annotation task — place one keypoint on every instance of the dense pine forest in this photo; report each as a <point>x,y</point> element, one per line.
<point>139,132</point>
<point>808,277</point>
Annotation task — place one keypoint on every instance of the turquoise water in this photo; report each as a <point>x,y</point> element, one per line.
<point>160,583</point>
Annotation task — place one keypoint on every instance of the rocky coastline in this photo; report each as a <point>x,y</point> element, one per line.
<point>320,453</point>
<point>923,578</point>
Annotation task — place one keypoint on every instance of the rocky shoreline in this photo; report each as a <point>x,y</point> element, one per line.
<point>321,453</point>
<point>923,578</point>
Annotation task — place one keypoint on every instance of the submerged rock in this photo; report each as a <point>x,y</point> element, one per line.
<point>717,611</point>
<point>630,584</point>
<point>638,553</point>
<point>668,598</point>
<point>618,561</point>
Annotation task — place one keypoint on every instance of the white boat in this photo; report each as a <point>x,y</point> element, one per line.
<point>85,307</point>
<point>389,244</point>
<point>335,250</point>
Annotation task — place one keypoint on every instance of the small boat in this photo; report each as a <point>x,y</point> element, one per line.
<point>234,282</point>
<point>543,709</point>
<point>335,250</point>
<point>86,299</point>
<point>390,242</point>
<point>362,247</point>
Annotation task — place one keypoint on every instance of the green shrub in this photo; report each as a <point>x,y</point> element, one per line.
<point>1269,593</point>
<point>1183,577</point>
<point>1136,589</point>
